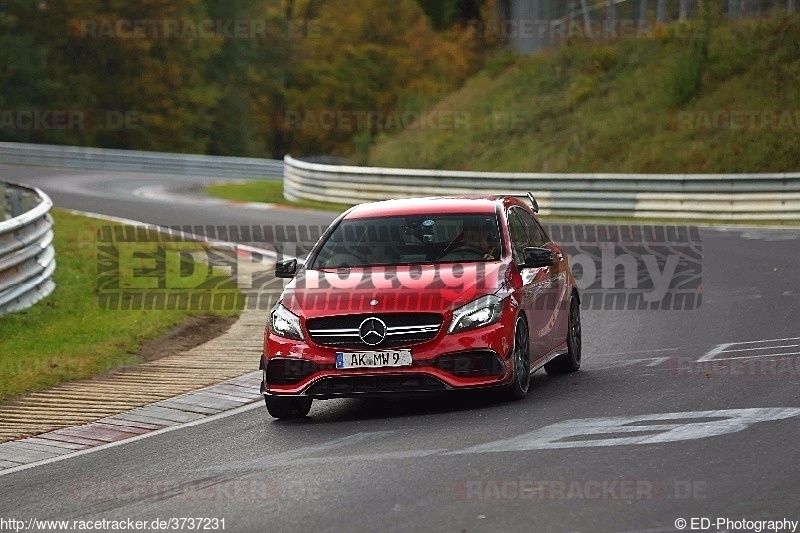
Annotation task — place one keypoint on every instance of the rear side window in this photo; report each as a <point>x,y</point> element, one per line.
<point>519,234</point>
<point>537,236</point>
<point>524,231</point>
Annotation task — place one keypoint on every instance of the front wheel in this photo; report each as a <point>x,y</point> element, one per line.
<point>522,361</point>
<point>570,361</point>
<point>288,407</point>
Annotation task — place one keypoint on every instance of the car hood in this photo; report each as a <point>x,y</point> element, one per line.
<point>420,288</point>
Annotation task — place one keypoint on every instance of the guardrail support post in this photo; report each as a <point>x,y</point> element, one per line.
<point>660,11</point>
<point>14,202</point>
<point>791,6</point>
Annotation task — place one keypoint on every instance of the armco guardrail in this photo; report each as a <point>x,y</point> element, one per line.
<point>27,258</point>
<point>83,158</point>
<point>762,197</point>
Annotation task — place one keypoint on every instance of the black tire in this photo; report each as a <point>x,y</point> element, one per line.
<point>570,361</point>
<point>521,381</point>
<point>288,407</point>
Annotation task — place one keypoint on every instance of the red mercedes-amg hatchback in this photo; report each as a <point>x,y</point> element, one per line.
<point>422,295</point>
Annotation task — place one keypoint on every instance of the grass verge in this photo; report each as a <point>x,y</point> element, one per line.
<point>68,335</point>
<point>267,191</point>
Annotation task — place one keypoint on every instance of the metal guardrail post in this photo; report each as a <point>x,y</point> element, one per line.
<point>14,201</point>
<point>661,9</point>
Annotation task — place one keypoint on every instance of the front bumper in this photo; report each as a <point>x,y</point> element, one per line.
<point>474,359</point>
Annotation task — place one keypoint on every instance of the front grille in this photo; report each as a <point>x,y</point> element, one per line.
<point>355,385</point>
<point>402,329</point>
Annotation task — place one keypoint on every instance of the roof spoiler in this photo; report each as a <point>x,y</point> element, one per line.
<point>534,203</point>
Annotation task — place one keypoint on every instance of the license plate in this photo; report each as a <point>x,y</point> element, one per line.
<point>373,359</point>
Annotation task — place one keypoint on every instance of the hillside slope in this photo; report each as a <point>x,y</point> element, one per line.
<point>683,100</point>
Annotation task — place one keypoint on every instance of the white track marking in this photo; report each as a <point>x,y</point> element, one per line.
<point>757,356</point>
<point>637,352</point>
<point>592,432</point>
<point>549,437</point>
<point>724,348</point>
<point>767,340</point>
<point>191,236</point>
<point>763,348</point>
<point>713,352</point>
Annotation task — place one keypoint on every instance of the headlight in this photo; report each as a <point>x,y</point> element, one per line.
<point>284,323</point>
<point>478,313</point>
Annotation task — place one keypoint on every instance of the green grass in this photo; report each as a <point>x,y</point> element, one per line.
<point>618,107</point>
<point>267,191</point>
<point>67,335</point>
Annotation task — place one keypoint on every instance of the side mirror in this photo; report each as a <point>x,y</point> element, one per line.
<point>537,257</point>
<point>286,268</point>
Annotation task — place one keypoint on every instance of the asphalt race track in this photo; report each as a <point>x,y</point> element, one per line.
<point>676,414</point>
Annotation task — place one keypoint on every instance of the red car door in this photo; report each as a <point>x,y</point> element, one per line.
<point>538,292</point>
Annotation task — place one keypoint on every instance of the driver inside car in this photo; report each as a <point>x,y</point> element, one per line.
<point>478,240</point>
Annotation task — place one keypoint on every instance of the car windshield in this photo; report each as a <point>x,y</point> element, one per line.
<point>408,240</point>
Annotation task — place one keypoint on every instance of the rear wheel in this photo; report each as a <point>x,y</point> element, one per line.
<point>570,361</point>
<point>522,361</point>
<point>288,407</point>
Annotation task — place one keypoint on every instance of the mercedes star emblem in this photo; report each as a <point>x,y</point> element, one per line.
<point>372,331</point>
